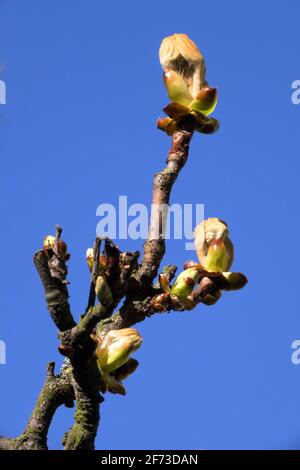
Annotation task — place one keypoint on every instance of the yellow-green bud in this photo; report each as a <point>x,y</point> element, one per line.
<point>205,101</point>
<point>179,54</point>
<point>116,348</point>
<point>185,283</point>
<point>206,233</point>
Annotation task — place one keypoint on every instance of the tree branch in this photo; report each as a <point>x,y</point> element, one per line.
<point>154,247</point>
<point>86,380</point>
<point>81,381</point>
<point>56,294</point>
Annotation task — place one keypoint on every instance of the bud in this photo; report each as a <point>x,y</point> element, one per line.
<point>180,54</point>
<point>185,283</point>
<point>206,233</point>
<point>167,125</point>
<point>116,348</point>
<point>90,261</point>
<point>205,101</point>
<point>160,302</point>
<point>184,74</point>
<point>49,244</point>
<point>164,283</point>
<point>234,281</point>
<point>103,291</point>
<point>177,88</point>
<point>176,111</point>
<point>90,258</point>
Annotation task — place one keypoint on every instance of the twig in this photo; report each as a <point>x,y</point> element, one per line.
<point>92,294</point>
<point>154,247</point>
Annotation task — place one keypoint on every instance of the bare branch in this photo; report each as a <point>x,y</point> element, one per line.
<point>86,380</point>
<point>154,247</point>
<point>56,293</point>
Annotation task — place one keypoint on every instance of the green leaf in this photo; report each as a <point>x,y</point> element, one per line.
<point>205,102</point>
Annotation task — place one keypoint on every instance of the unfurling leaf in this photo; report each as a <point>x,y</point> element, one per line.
<point>205,102</point>
<point>177,88</point>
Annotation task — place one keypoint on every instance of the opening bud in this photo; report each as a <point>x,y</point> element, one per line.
<point>116,348</point>
<point>90,261</point>
<point>49,245</point>
<point>206,234</point>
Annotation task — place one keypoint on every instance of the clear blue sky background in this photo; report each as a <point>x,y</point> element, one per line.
<point>84,91</point>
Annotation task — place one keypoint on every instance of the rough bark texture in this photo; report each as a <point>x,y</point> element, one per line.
<point>80,377</point>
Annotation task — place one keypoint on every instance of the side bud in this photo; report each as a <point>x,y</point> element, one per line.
<point>116,348</point>
<point>185,282</point>
<point>49,245</point>
<point>234,281</point>
<point>167,125</point>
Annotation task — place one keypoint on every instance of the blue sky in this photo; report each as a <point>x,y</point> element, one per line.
<point>84,90</point>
